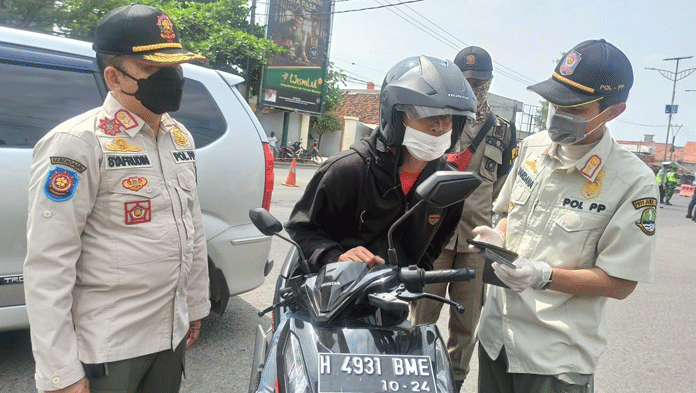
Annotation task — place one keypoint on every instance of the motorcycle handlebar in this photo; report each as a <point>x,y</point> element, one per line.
<point>439,276</point>
<point>415,278</point>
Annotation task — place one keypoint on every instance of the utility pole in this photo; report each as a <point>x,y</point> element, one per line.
<point>247,76</point>
<point>674,136</point>
<point>673,76</point>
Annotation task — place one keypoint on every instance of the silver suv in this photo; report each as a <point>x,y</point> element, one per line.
<point>46,80</point>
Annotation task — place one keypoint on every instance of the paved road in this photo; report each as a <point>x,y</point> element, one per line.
<point>650,346</point>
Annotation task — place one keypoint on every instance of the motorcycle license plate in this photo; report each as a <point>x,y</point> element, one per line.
<point>353,373</point>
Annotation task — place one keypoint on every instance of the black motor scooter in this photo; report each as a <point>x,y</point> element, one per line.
<point>344,329</point>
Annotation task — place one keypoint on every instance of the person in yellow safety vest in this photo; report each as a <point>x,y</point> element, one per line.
<point>660,179</point>
<point>670,183</point>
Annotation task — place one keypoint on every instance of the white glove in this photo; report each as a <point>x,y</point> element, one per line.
<point>534,274</point>
<point>488,235</point>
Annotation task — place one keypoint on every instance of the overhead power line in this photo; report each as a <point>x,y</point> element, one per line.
<point>510,74</point>
<point>357,9</point>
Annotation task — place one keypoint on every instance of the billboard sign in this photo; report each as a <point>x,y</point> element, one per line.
<point>295,80</point>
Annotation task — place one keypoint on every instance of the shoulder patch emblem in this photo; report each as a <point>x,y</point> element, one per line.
<point>647,221</point>
<point>134,183</point>
<point>179,138</point>
<point>61,184</point>
<point>110,126</point>
<point>69,162</point>
<point>499,132</point>
<point>433,219</point>
<point>592,190</point>
<point>644,202</point>
<point>120,144</point>
<point>127,120</point>
<point>591,166</point>
<point>137,212</point>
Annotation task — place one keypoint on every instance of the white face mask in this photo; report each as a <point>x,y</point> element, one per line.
<point>426,147</point>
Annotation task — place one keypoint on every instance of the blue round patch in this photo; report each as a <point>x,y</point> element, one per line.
<point>61,184</point>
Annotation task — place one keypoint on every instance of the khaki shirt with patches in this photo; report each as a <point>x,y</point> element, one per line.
<point>116,262</point>
<point>599,212</point>
<point>484,162</point>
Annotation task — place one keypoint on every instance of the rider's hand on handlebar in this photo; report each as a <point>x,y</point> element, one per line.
<point>361,254</point>
<point>488,235</point>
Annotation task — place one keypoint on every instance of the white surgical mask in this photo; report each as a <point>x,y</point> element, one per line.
<point>426,147</point>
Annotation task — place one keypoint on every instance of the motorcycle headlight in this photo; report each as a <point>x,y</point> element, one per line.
<point>443,378</point>
<point>296,379</point>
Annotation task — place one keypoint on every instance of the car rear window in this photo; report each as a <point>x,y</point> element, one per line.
<point>36,98</point>
<point>200,114</point>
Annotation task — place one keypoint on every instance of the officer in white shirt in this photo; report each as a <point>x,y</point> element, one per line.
<point>116,272</point>
<point>581,216</point>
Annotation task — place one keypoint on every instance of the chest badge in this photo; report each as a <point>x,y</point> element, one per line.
<point>110,126</point>
<point>134,183</point>
<point>433,219</point>
<point>532,165</point>
<point>120,144</point>
<point>137,212</point>
<point>592,190</point>
<point>179,138</point>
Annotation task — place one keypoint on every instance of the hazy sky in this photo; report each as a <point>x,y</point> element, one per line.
<point>526,37</point>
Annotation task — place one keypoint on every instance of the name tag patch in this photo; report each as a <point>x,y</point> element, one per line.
<point>69,162</point>
<point>137,212</point>
<point>576,204</point>
<point>525,178</point>
<point>61,184</point>
<point>644,202</point>
<point>184,156</point>
<point>116,161</point>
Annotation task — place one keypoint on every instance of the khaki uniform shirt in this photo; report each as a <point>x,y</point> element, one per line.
<point>116,262</point>
<point>484,162</point>
<point>598,212</point>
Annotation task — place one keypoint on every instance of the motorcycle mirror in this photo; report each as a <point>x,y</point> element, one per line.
<point>264,221</point>
<point>441,189</point>
<point>445,188</point>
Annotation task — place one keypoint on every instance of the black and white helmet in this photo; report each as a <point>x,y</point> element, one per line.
<point>429,86</point>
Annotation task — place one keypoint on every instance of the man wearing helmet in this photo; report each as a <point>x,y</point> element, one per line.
<point>355,196</point>
<point>491,160</point>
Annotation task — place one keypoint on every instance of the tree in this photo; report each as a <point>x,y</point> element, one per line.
<point>333,98</point>
<point>218,29</point>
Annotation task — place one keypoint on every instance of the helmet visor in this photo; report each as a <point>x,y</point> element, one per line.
<point>415,112</point>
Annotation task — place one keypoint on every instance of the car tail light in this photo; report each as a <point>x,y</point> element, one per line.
<point>268,186</point>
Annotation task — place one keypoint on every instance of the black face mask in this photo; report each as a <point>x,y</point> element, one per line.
<point>161,92</point>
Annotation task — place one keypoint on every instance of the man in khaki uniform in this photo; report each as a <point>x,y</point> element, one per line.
<point>116,271</point>
<point>581,216</point>
<point>487,152</point>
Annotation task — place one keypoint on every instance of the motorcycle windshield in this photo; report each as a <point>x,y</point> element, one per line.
<point>338,284</point>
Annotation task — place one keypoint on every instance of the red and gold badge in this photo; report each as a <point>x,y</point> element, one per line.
<point>471,60</point>
<point>433,219</point>
<point>126,119</point>
<point>134,183</point>
<point>110,126</point>
<point>138,212</point>
<point>166,28</point>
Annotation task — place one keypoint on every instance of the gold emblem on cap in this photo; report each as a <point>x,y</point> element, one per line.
<point>593,189</point>
<point>470,60</point>
<point>179,137</point>
<point>120,144</point>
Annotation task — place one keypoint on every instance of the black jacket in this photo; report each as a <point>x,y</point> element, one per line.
<point>353,199</point>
